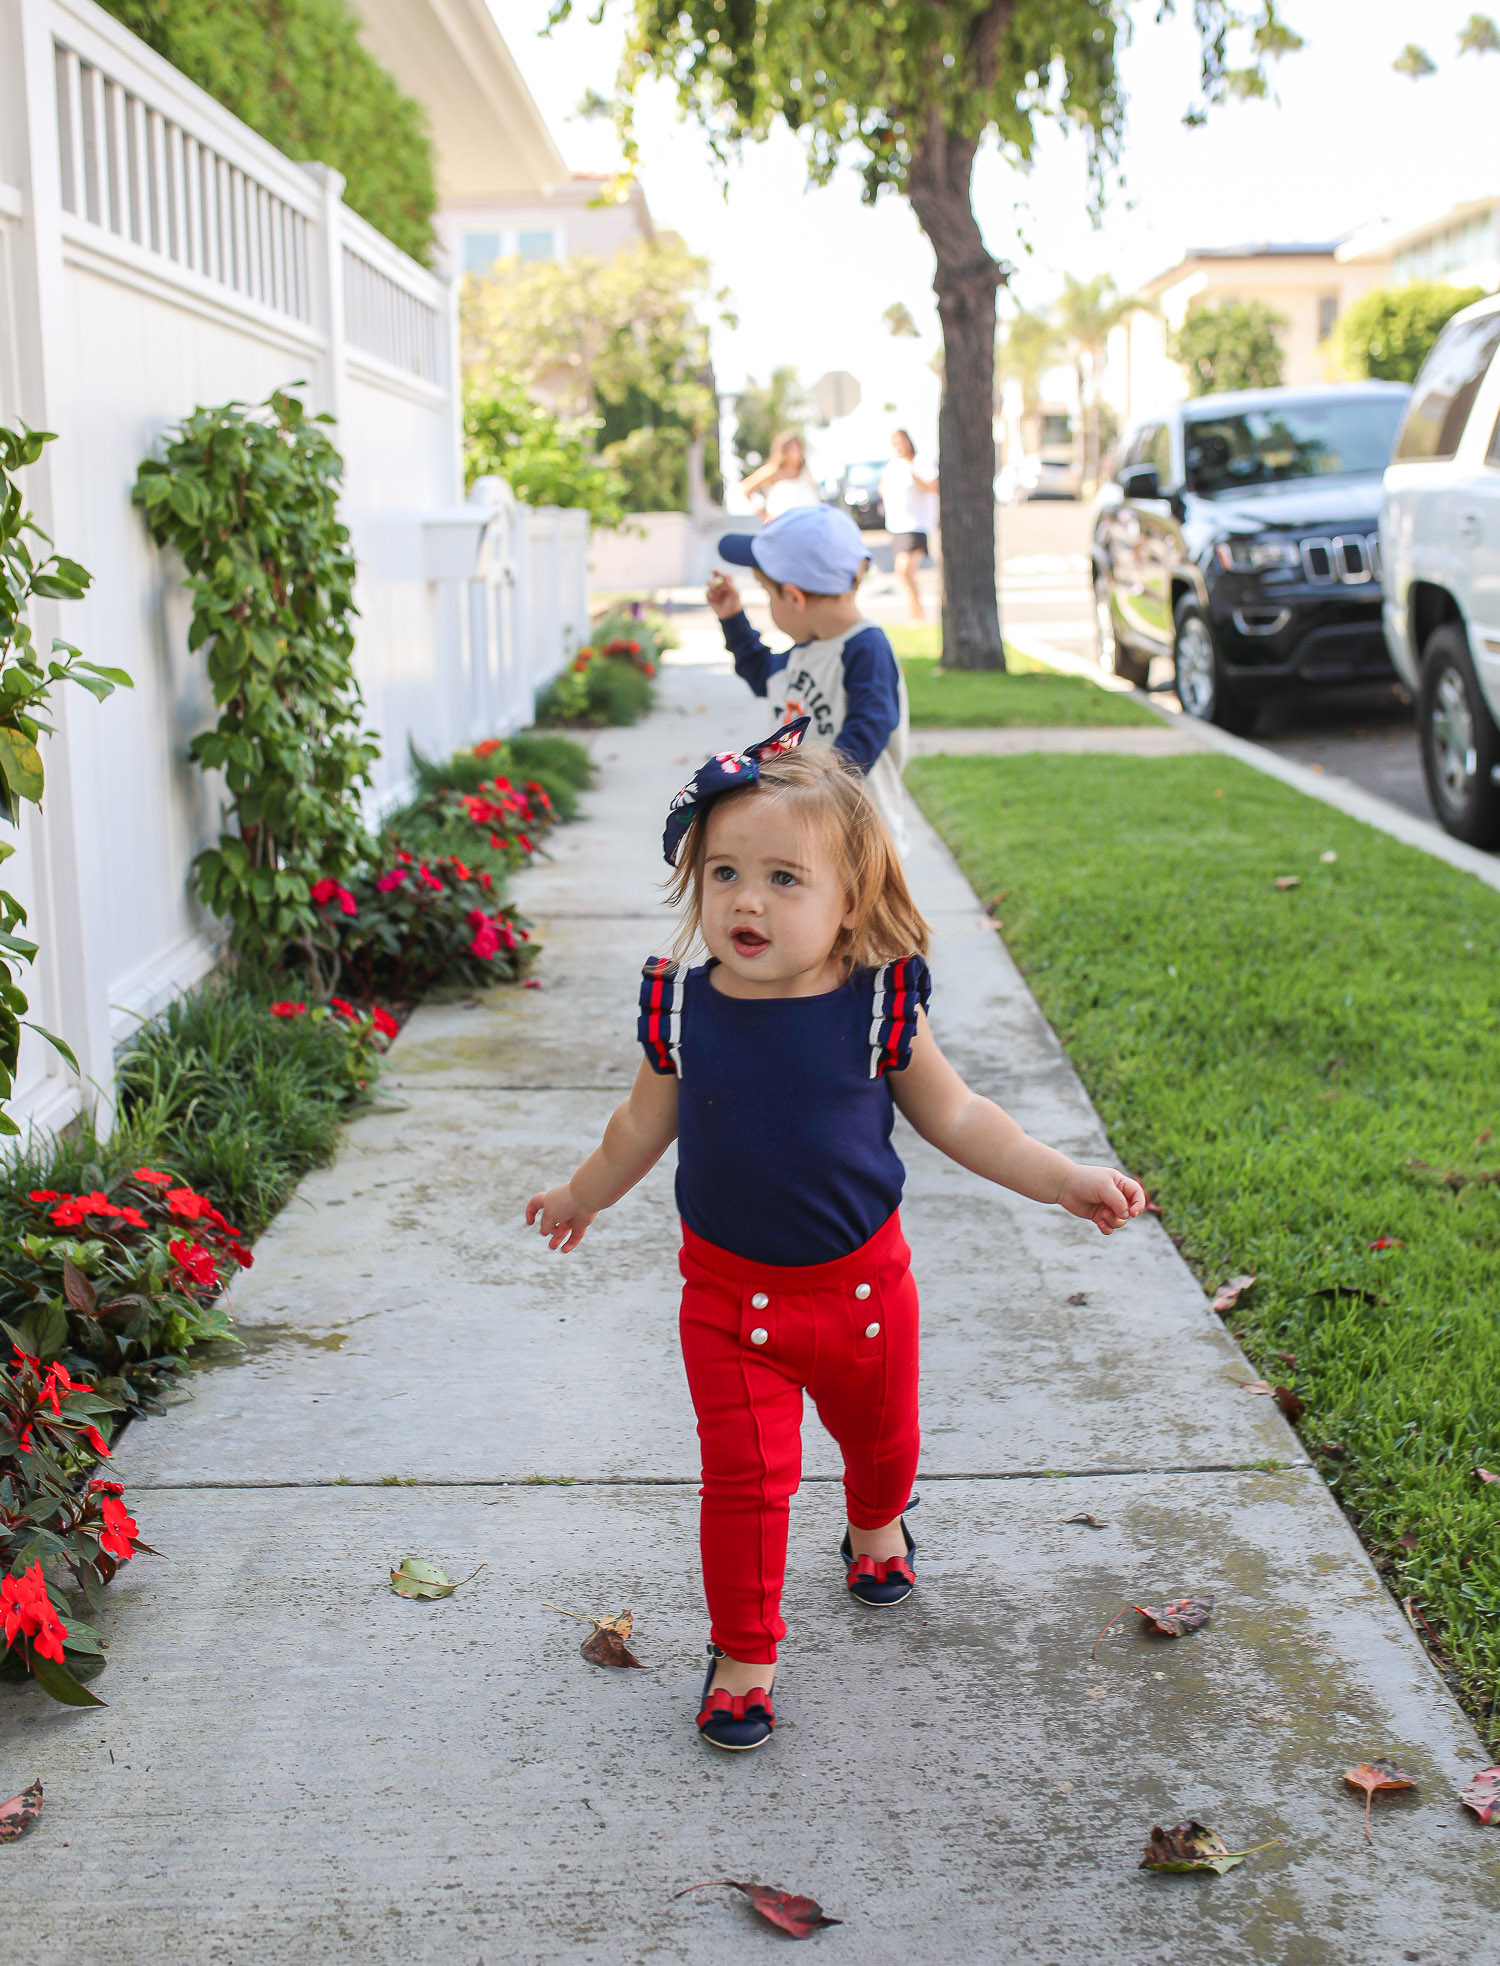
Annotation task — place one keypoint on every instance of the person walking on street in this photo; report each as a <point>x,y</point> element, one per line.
<point>908,491</point>
<point>783,482</point>
<point>777,1067</point>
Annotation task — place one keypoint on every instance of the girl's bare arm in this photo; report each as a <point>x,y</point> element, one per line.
<point>976,1133</point>
<point>640,1131</point>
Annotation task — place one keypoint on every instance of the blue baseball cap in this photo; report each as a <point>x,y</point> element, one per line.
<point>815,547</point>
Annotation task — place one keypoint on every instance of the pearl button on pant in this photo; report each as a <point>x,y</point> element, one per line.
<point>754,1337</point>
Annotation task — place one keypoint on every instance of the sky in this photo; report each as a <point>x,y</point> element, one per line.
<point>810,272</point>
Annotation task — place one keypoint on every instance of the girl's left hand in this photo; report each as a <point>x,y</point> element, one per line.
<point>1103,1196</point>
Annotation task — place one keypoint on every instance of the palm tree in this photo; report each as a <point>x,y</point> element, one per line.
<point>1030,344</point>
<point>1087,313</point>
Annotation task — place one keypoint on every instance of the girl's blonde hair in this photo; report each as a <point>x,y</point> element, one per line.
<point>832,797</point>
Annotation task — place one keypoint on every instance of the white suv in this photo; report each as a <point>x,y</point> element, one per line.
<point>1440,543</point>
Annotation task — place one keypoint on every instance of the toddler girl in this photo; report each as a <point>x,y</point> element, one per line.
<point>775,1066</point>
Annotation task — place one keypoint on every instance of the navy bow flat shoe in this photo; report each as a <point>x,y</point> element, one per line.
<point>881,1581</point>
<point>734,1721</point>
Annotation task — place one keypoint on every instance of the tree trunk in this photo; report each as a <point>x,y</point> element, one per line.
<point>967,276</point>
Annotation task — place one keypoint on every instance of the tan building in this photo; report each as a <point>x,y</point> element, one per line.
<point>1309,285</point>
<point>503,187</point>
<point>1459,246</point>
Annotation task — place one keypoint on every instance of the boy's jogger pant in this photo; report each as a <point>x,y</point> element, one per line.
<point>754,1335</point>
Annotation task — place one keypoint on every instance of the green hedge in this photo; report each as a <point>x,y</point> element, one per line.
<point>296,71</point>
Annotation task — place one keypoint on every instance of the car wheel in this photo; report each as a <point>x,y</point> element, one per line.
<point>1199,673</point>
<point>1110,653</point>
<point>1460,744</point>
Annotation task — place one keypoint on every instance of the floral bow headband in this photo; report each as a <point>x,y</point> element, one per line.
<point>722,774</point>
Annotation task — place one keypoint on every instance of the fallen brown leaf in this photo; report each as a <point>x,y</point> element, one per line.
<point>1089,1521</point>
<point>1152,1207</point>
<point>606,1643</point>
<point>1288,1401</point>
<point>1482,1795</point>
<point>17,1815</point>
<point>1484,1138</point>
<point>1191,1846</point>
<point>1407,1540</point>
<point>1376,1778</point>
<point>1332,1450</point>
<point>1174,1620</point>
<point>1484,1474</point>
<point>797,1915</point>
<point>1230,1293</point>
<point>1079,1297</point>
<point>1289,1360</point>
<point>1284,881</point>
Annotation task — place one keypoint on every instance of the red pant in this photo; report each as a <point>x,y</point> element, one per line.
<point>753,1336</point>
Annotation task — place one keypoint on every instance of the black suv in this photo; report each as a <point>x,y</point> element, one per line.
<point>1241,539</point>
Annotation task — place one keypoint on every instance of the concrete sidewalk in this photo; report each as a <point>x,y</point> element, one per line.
<point>297,1766</point>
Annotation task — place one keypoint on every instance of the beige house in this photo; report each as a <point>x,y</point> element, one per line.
<point>503,187</point>
<point>1309,285</point>
<point>1459,246</point>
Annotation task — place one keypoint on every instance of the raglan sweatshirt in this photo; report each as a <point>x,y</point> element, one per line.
<point>853,690</point>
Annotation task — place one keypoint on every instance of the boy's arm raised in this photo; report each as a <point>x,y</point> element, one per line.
<point>640,1131</point>
<point>976,1133</point>
<point>872,697</point>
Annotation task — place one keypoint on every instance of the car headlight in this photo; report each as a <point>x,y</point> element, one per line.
<point>1256,555</point>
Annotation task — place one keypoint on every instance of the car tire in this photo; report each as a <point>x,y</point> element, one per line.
<point>1460,743</point>
<point>1109,651</point>
<point>1200,674</point>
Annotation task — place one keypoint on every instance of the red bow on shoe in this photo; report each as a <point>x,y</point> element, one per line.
<point>733,1705</point>
<point>864,1569</point>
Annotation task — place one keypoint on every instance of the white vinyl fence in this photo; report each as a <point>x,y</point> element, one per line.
<point>155,255</point>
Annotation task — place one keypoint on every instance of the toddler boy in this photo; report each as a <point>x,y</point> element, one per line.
<point>841,671</point>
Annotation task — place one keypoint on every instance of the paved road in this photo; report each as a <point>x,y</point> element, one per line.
<point>296,1767</point>
<point>1365,735</point>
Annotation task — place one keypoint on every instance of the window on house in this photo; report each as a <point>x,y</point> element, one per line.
<point>1328,313</point>
<point>536,245</point>
<point>481,250</point>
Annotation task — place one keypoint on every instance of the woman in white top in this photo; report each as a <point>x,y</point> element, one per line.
<point>911,508</point>
<point>784,480</point>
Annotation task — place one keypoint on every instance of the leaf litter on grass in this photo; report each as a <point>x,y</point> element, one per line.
<point>1229,1294</point>
<point>799,1916</point>
<point>1376,1778</point>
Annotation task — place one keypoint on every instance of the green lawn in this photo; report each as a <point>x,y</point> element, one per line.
<point>1295,1075</point>
<point>1026,694</point>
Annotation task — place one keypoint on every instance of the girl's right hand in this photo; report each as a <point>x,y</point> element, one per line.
<point>722,595</point>
<point>559,1218</point>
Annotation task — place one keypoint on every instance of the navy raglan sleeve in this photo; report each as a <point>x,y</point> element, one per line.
<point>754,663</point>
<point>872,697</point>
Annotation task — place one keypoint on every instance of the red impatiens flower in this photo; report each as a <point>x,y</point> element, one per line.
<point>487,746</point>
<point>242,1256</point>
<point>134,1218</point>
<point>28,1613</point>
<point>149,1174</point>
<point>288,1008</point>
<point>195,1262</point>
<point>486,881</point>
<point>118,1536</point>
<point>384,1023</point>
<point>392,879</point>
<point>75,1209</point>
<point>189,1206</point>
<point>429,879</point>
<point>97,1441</point>
<point>524,844</point>
<point>486,941</point>
<point>40,1195</point>
<point>325,891</point>
<point>463,873</point>
<point>344,1008</point>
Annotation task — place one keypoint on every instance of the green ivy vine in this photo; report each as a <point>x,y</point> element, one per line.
<point>249,497</point>
<point>25,687</point>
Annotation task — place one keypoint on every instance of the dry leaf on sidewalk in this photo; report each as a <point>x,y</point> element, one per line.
<point>1174,1620</point>
<point>606,1643</point>
<point>1256,1386</point>
<point>1376,1778</point>
<point>17,1815</point>
<point>1229,1294</point>
<point>1089,1521</point>
<point>1190,1846</point>
<point>799,1916</point>
<point>1482,1795</point>
<point>416,1577</point>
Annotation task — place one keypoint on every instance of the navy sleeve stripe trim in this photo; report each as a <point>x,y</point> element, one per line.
<point>901,989</point>
<point>659,1026</point>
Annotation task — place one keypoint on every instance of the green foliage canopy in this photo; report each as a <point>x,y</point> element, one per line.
<point>544,460</point>
<point>1387,332</point>
<point>1231,345</point>
<point>249,498</point>
<point>297,72</point>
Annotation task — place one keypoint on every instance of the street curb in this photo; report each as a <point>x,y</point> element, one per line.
<point>1341,793</point>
